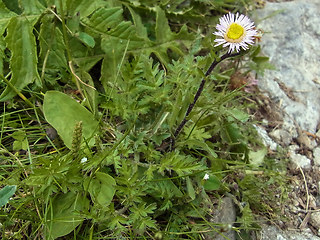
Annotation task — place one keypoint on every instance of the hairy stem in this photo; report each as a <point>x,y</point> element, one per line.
<point>200,89</point>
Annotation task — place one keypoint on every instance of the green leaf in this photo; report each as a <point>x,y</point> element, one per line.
<point>117,37</point>
<point>238,114</point>
<point>233,133</point>
<point>31,7</point>
<point>23,63</point>
<point>190,189</point>
<point>21,141</point>
<point>13,5</point>
<point>107,188</point>
<point>140,27</point>
<point>5,16</point>
<point>6,193</point>
<point>2,55</point>
<point>163,188</point>
<point>83,7</point>
<point>256,158</point>
<point>212,184</point>
<point>166,39</point>
<point>101,188</point>
<point>163,31</point>
<point>66,214</point>
<point>63,113</point>
<point>87,39</point>
<point>202,145</point>
<point>52,47</point>
<point>20,145</point>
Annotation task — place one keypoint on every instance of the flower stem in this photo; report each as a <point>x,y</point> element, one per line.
<point>200,89</point>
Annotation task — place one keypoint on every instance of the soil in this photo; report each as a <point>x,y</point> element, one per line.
<point>303,203</point>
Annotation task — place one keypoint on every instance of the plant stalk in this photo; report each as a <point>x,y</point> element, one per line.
<point>17,91</point>
<point>198,93</point>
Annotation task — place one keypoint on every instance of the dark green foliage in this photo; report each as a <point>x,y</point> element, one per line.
<point>114,79</point>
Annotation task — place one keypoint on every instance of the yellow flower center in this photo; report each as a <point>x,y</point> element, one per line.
<point>235,33</point>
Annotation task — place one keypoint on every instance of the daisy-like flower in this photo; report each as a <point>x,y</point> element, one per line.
<point>237,31</point>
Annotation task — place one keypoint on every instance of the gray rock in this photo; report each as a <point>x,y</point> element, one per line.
<point>298,160</point>
<point>274,233</point>
<point>318,133</point>
<point>226,216</point>
<point>316,156</point>
<point>315,220</point>
<point>281,136</point>
<point>267,141</point>
<point>291,40</point>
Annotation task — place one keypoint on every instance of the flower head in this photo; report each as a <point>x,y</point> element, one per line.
<point>206,176</point>
<point>84,160</point>
<point>236,31</point>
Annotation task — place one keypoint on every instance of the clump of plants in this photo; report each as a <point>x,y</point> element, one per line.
<point>112,126</point>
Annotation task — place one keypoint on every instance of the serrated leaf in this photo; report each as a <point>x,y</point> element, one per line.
<point>5,16</point>
<point>166,39</point>
<point>52,49</point>
<point>31,7</point>
<point>163,31</point>
<point>6,193</point>
<point>105,19</point>
<point>63,113</point>
<point>140,27</point>
<point>163,188</point>
<point>117,37</point>
<point>83,7</point>
<point>23,63</point>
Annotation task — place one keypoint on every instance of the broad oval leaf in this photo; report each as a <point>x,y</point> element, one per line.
<point>63,113</point>
<point>212,184</point>
<point>87,39</point>
<point>66,214</point>
<point>107,189</point>
<point>6,193</point>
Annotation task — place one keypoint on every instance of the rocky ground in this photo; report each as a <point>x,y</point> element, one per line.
<point>291,110</point>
